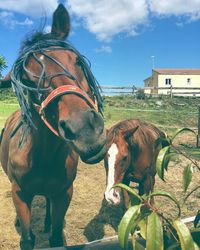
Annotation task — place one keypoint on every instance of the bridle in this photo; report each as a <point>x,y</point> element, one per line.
<point>63,90</point>
<point>48,94</point>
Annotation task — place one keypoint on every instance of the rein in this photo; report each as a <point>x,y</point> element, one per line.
<point>23,91</point>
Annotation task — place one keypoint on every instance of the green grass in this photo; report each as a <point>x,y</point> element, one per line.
<point>166,113</point>
<point>5,111</point>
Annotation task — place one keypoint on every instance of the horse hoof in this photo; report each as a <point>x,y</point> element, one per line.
<point>56,241</point>
<point>26,245</point>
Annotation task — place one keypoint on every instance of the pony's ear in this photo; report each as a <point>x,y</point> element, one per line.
<point>5,82</point>
<point>61,23</point>
<point>128,133</point>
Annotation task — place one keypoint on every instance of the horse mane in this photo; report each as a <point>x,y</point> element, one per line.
<point>36,37</point>
<point>144,133</point>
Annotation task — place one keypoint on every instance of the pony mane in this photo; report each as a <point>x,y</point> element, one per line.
<point>145,132</point>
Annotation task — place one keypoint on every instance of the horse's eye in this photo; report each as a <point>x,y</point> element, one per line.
<point>124,158</point>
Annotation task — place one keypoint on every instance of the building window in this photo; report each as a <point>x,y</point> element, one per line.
<point>168,81</point>
<point>188,80</point>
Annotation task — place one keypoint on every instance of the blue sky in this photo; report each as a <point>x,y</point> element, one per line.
<point>119,37</point>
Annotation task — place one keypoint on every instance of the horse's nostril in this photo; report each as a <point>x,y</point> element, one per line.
<point>66,130</point>
<point>95,120</point>
<point>115,194</point>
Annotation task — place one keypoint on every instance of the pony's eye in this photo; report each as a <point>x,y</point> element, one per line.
<point>124,158</point>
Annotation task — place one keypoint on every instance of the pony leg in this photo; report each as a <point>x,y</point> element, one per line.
<point>22,204</point>
<point>47,221</point>
<point>126,195</point>
<point>60,205</point>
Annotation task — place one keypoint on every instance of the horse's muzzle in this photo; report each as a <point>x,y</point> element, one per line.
<point>95,157</point>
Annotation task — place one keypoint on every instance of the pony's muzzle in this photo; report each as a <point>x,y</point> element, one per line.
<point>113,196</point>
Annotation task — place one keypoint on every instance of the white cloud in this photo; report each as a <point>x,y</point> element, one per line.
<point>104,18</point>
<point>104,49</point>
<point>107,18</point>
<point>47,29</point>
<point>8,19</point>
<point>36,8</point>
<point>187,8</point>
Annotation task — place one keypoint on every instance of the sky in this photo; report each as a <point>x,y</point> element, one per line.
<point>123,39</point>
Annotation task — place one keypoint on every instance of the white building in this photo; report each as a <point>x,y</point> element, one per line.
<point>179,81</point>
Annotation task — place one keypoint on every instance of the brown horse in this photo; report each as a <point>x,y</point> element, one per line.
<point>58,122</point>
<point>131,156</point>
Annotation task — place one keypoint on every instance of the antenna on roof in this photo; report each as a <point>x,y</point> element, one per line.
<point>153,61</point>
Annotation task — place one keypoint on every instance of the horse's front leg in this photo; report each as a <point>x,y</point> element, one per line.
<point>47,222</point>
<point>147,185</point>
<point>60,205</point>
<point>22,203</point>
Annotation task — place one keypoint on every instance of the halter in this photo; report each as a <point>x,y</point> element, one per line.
<point>63,90</point>
<point>22,90</point>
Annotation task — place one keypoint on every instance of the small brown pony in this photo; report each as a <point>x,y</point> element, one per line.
<point>58,122</point>
<point>131,156</point>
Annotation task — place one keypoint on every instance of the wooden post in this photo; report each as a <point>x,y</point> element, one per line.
<point>171,91</point>
<point>198,135</point>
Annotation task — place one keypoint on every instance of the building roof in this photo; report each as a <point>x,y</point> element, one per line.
<point>178,71</point>
<point>148,78</point>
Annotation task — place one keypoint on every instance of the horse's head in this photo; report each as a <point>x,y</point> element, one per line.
<point>117,162</point>
<point>62,88</point>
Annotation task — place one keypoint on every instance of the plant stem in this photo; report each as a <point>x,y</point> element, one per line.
<point>186,156</point>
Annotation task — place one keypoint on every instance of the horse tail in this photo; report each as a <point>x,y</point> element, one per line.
<point>1,135</point>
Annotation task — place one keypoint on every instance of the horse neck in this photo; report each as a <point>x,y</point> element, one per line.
<point>43,137</point>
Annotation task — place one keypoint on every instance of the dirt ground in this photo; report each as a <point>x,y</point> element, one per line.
<point>89,217</point>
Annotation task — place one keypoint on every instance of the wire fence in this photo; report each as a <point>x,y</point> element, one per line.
<point>153,91</point>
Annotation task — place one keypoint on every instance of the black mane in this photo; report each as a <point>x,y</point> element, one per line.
<point>37,37</point>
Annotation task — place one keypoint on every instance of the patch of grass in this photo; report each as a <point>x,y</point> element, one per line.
<point>7,96</point>
<point>164,112</point>
<point>6,109</point>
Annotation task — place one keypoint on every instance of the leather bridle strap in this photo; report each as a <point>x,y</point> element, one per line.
<point>63,90</point>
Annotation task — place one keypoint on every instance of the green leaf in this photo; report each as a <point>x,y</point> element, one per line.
<point>154,233</point>
<point>137,245</point>
<point>161,162</point>
<point>143,226</point>
<point>135,196</point>
<point>197,219</point>
<point>184,235</point>
<point>187,176</point>
<point>178,131</point>
<point>168,195</point>
<point>174,246</point>
<point>128,221</point>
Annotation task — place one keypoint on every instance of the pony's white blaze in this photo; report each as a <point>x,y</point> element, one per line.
<point>41,57</point>
<point>112,195</point>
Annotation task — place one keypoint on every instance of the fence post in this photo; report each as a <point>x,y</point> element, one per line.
<point>198,135</point>
<point>171,91</point>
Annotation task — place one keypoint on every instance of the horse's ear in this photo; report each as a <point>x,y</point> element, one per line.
<point>61,23</point>
<point>128,133</point>
<point>5,82</point>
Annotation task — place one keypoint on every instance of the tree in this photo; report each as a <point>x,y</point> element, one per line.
<point>2,64</point>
